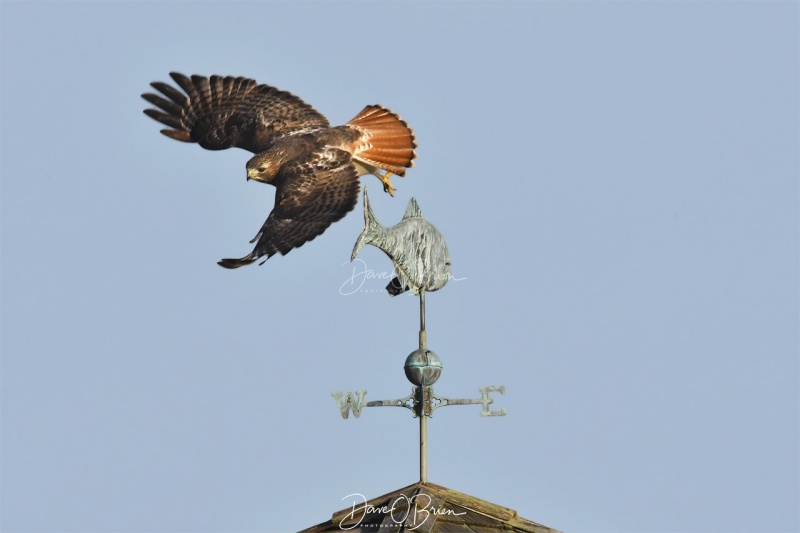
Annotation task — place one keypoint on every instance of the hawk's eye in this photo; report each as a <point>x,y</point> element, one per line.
<point>262,169</point>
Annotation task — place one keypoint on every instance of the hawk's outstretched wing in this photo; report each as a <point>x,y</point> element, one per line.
<point>311,195</point>
<point>223,112</point>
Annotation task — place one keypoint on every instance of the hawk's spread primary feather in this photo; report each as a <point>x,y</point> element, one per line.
<point>314,167</point>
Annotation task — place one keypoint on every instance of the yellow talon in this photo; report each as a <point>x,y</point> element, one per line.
<point>387,185</point>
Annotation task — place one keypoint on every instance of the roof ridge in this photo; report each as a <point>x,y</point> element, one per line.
<point>441,508</point>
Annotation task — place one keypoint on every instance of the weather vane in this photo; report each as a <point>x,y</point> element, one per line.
<point>422,264</point>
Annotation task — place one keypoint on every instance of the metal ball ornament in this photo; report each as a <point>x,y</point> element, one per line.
<point>423,367</point>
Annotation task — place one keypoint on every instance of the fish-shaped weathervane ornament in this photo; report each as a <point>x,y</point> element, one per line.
<point>415,246</point>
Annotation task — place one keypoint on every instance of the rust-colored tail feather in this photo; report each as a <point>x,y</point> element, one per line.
<point>389,141</point>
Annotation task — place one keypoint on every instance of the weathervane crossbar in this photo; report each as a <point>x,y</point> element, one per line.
<point>483,400</point>
<point>355,402</point>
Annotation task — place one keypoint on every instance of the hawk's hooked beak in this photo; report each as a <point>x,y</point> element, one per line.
<point>251,174</point>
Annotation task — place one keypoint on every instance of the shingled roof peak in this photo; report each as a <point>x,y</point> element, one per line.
<point>427,508</point>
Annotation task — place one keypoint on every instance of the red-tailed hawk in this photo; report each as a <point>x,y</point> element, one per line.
<point>314,167</point>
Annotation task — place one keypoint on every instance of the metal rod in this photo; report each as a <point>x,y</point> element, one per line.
<point>423,449</point>
<point>423,400</point>
<point>422,335</point>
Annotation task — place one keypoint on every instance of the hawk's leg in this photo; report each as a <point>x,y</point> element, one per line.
<point>387,185</point>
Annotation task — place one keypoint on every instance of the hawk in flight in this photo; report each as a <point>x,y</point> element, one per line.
<point>313,166</point>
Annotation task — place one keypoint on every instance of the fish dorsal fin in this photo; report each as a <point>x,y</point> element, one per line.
<point>413,210</point>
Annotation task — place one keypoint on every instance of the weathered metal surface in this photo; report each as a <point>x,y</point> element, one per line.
<point>483,400</point>
<point>421,402</point>
<point>415,246</point>
<point>351,402</point>
<point>429,508</point>
<point>423,367</point>
<point>407,402</point>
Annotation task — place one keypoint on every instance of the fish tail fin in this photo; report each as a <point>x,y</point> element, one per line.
<point>371,227</point>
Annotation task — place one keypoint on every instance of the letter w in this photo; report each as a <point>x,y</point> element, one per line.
<point>350,403</point>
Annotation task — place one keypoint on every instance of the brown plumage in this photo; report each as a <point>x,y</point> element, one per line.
<point>314,167</point>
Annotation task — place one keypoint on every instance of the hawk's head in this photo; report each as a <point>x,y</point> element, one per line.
<point>265,166</point>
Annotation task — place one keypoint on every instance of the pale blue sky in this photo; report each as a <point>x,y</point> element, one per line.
<point>617,183</point>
